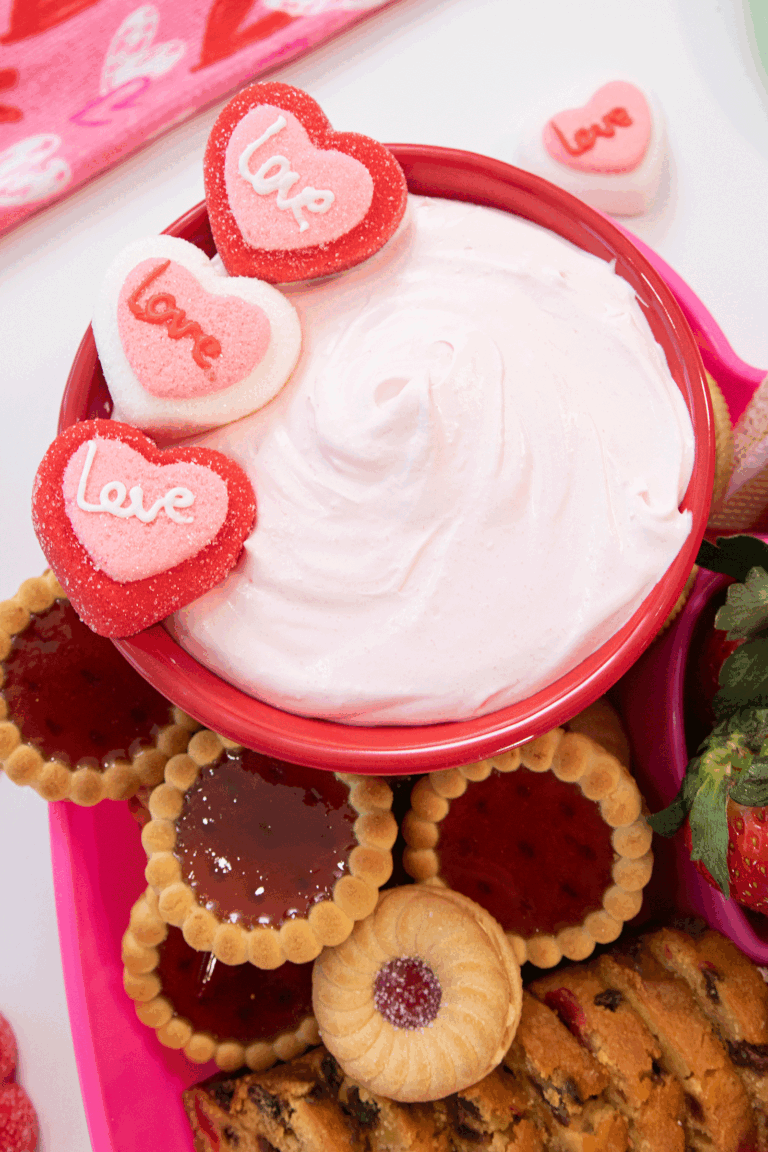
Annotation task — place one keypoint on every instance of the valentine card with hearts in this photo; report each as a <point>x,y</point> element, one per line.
<point>290,199</point>
<point>133,532</point>
<point>185,347</point>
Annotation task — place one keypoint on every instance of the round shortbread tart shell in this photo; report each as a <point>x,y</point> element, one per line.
<point>299,939</point>
<point>480,1005</point>
<point>52,779</point>
<point>141,955</point>
<point>576,757</point>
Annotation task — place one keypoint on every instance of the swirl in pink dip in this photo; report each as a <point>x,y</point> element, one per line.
<point>471,481</point>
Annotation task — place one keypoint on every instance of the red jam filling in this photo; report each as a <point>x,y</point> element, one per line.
<point>529,848</point>
<point>260,841</point>
<point>407,993</point>
<point>234,1003</point>
<point>72,694</point>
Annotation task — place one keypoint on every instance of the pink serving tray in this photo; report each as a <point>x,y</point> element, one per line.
<point>132,1085</point>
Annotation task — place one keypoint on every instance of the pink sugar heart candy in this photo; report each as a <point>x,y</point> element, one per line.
<point>133,532</point>
<point>610,133</point>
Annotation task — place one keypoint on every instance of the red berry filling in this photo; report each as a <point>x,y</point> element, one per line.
<point>529,848</point>
<point>72,694</point>
<point>239,1003</point>
<point>260,841</point>
<point>407,993</point>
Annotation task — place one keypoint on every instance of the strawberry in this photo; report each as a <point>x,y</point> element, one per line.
<point>723,799</point>
<point>747,857</point>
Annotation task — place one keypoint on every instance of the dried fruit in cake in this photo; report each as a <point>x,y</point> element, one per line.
<point>185,348</point>
<point>19,1129</point>
<point>8,1051</point>
<point>233,1015</point>
<point>640,1085</point>
<point>423,998</point>
<point>134,532</point>
<point>76,721</point>
<point>717,1105</point>
<point>549,837</point>
<point>499,1112</point>
<point>290,199</point>
<point>291,1108</point>
<point>273,886</point>
<point>732,994</point>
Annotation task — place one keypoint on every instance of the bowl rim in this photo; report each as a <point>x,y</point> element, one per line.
<point>395,750</point>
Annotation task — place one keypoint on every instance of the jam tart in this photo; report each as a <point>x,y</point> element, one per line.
<point>473,829</point>
<point>76,721</point>
<point>422,999</point>
<point>234,1016</point>
<point>259,860</point>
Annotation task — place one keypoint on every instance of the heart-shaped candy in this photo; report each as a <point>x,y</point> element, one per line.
<point>611,133</point>
<point>184,347</point>
<point>133,532</point>
<point>289,198</point>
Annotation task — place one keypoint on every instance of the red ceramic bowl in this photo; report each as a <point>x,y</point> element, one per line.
<point>390,750</point>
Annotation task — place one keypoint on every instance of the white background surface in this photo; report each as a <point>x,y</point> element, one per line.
<point>459,73</point>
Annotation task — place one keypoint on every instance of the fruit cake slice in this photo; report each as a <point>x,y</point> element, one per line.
<point>719,1112</point>
<point>500,1114</point>
<point>569,1081</point>
<point>388,1126</point>
<point>640,1086</point>
<point>732,994</point>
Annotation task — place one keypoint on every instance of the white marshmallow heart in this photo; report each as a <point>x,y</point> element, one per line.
<point>183,346</point>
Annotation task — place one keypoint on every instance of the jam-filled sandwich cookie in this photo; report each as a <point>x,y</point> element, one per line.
<point>610,152</point>
<point>290,199</point>
<point>185,347</point>
<point>424,997</point>
<point>256,859</point>
<point>76,722</point>
<point>234,1016</point>
<point>133,532</point>
<point>549,837</point>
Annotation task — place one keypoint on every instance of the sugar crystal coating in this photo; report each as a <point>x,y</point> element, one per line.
<point>407,992</point>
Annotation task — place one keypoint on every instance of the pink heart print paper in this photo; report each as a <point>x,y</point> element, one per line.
<point>135,518</point>
<point>183,346</point>
<point>610,133</point>
<point>257,160</point>
<point>83,83</point>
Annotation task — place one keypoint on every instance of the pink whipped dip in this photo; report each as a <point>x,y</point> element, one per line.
<point>470,482</point>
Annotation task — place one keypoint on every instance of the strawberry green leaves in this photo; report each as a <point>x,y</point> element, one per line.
<point>733,555</point>
<point>732,761</point>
